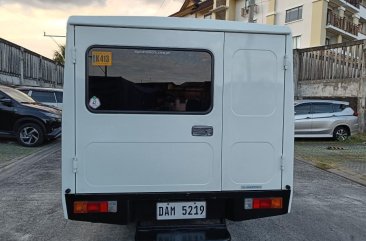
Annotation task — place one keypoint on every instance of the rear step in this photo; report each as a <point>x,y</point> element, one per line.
<point>210,230</point>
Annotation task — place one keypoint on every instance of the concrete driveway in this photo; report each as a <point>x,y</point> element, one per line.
<point>325,207</point>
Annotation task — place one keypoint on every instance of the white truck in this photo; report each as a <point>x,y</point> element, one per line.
<point>171,118</point>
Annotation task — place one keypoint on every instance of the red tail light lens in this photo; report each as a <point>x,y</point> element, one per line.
<point>95,207</point>
<point>355,113</point>
<point>263,203</point>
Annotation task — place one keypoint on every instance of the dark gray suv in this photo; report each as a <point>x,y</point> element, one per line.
<point>325,118</point>
<point>29,121</point>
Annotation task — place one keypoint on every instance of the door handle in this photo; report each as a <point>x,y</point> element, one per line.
<point>202,131</point>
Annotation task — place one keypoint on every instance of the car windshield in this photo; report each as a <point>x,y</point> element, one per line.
<point>18,95</point>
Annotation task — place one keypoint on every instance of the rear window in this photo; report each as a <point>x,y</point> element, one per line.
<point>339,107</point>
<point>149,80</point>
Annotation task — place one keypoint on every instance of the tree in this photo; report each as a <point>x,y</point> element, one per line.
<point>59,55</point>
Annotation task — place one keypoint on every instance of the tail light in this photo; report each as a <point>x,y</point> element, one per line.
<point>355,113</point>
<point>95,207</point>
<point>263,203</point>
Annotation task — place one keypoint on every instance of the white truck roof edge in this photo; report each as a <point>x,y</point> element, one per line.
<point>173,23</point>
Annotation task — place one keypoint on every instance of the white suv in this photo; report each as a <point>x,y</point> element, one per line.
<point>325,118</point>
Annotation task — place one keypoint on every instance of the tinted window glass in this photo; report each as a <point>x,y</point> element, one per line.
<point>59,96</point>
<point>302,109</point>
<point>339,107</point>
<point>293,14</point>
<point>149,80</point>
<point>321,108</point>
<point>42,96</point>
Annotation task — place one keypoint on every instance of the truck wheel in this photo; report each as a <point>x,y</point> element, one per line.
<point>30,135</point>
<point>341,133</point>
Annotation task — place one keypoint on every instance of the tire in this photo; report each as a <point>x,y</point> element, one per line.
<point>30,135</point>
<point>341,133</point>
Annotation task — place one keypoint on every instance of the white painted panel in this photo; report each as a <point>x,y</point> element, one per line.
<point>148,164</point>
<point>253,111</point>
<point>257,159</point>
<point>137,138</point>
<point>251,86</point>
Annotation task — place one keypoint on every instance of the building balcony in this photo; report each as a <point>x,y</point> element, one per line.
<point>333,20</point>
<point>355,3</point>
<point>350,5</point>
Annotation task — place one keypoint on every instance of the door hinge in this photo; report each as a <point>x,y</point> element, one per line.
<point>73,55</point>
<point>285,62</point>
<point>282,163</point>
<point>74,165</point>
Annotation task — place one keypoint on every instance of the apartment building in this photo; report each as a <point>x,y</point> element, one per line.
<point>313,22</point>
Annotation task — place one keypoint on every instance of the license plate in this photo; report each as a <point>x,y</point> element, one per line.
<point>180,210</point>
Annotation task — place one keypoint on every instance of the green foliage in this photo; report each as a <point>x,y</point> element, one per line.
<point>59,55</point>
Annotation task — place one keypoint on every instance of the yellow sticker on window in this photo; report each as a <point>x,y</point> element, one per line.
<point>101,58</point>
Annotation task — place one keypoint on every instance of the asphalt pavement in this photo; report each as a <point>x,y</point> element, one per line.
<point>325,207</point>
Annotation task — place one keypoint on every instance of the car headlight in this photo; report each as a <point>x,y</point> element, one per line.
<point>52,115</point>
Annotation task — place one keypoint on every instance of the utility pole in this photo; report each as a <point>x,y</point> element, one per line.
<point>251,11</point>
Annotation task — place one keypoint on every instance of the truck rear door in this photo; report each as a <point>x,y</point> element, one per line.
<point>148,110</point>
<point>253,111</point>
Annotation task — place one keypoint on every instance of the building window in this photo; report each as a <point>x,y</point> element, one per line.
<point>293,14</point>
<point>149,80</point>
<point>296,42</point>
<point>327,41</point>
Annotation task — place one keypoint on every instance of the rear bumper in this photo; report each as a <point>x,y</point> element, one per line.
<point>142,207</point>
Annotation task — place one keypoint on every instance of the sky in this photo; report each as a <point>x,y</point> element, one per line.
<point>24,22</point>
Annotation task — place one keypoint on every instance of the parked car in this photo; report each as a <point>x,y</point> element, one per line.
<point>47,96</point>
<point>325,118</point>
<point>29,121</point>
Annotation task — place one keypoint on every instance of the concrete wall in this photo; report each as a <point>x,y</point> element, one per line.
<point>325,88</point>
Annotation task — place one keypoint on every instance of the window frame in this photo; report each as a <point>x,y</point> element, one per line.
<point>296,41</point>
<point>96,111</point>
<point>298,19</point>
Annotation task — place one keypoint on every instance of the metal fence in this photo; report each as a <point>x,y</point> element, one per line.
<point>25,64</point>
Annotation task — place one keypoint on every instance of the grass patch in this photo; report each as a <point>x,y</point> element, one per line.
<point>323,165</point>
<point>10,149</point>
<point>328,154</point>
<point>357,139</point>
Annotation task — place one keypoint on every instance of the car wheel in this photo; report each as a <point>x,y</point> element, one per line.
<point>30,135</point>
<point>341,133</point>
